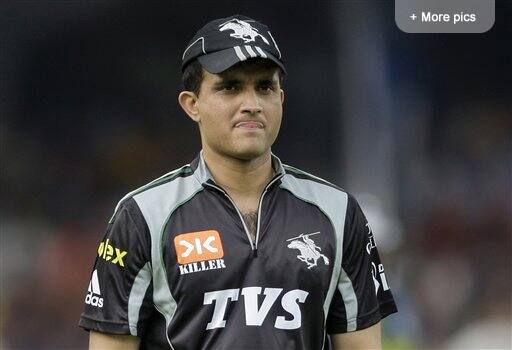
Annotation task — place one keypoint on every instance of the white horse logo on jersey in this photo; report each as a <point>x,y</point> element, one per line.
<point>309,251</point>
<point>242,30</point>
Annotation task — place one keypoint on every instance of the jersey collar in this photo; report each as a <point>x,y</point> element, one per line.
<point>203,175</point>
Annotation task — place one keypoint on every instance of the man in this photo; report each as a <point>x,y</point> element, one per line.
<point>236,250</point>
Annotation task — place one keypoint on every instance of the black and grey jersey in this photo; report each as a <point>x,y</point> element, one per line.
<point>178,267</point>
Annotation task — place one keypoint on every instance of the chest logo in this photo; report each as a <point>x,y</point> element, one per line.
<point>199,251</point>
<point>242,30</point>
<point>309,252</point>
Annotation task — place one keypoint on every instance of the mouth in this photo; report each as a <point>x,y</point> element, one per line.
<point>249,125</point>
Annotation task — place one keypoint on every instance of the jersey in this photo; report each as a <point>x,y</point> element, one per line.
<point>178,267</point>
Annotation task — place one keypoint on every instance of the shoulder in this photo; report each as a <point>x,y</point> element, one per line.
<point>157,189</point>
<point>315,190</point>
<point>336,203</point>
<point>307,180</point>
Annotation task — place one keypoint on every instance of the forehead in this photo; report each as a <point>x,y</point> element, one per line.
<point>245,71</point>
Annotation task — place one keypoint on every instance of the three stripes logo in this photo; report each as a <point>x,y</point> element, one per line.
<point>93,296</point>
<point>244,31</point>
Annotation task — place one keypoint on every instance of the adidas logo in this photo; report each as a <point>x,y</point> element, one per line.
<point>93,296</point>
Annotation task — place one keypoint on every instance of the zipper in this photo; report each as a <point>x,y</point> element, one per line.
<point>259,211</point>
<point>254,245</point>
<point>237,210</point>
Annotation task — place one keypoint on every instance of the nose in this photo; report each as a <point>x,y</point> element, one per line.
<point>251,102</point>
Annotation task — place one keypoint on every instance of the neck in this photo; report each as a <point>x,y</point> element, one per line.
<point>240,177</point>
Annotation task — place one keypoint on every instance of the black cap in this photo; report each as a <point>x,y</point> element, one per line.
<point>224,42</point>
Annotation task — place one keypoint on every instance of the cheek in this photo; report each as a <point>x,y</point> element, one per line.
<point>275,113</point>
<point>215,117</point>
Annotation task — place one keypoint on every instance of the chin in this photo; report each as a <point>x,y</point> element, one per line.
<point>248,153</point>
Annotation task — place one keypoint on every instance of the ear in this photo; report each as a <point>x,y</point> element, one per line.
<point>282,96</point>
<point>188,101</point>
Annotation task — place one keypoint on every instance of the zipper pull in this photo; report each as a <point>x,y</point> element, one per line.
<point>255,253</point>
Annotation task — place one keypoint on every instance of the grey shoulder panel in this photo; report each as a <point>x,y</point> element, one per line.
<point>332,202</point>
<point>157,203</point>
<point>162,179</point>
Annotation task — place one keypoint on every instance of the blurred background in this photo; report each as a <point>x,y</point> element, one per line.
<point>417,126</point>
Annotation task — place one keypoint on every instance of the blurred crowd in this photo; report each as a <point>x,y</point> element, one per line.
<point>88,113</point>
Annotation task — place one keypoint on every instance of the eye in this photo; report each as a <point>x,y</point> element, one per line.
<point>266,88</point>
<point>229,87</point>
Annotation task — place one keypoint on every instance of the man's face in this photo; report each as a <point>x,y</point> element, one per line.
<point>240,110</point>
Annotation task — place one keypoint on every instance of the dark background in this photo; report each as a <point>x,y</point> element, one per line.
<point>417,126</point>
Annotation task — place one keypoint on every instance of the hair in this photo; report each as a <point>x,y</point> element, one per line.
<point>193,73</point>
<point>192,77</point>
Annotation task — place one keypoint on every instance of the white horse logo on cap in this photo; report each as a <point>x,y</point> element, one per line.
<point>242,30</point>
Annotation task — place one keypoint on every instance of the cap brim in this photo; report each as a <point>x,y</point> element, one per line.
<point>218,62</point>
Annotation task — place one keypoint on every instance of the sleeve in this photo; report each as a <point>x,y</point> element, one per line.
<point>362,297</point>
<point>118,299</point>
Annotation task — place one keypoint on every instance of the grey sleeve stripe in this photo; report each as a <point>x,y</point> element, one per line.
<point>139,288</point>
<point>157,204</point>
<point>349,299</point>
<point>333,203</point>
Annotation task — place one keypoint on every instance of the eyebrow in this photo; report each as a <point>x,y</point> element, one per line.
<point>268,80</point>
<point>224,82</point>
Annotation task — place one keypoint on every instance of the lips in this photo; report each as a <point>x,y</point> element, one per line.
<point>249,125</point>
